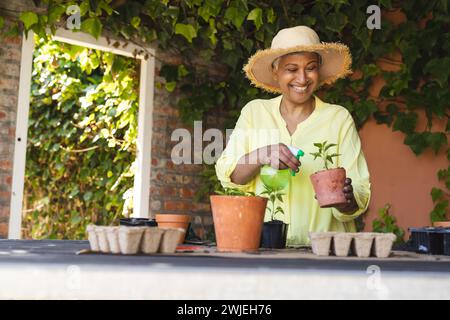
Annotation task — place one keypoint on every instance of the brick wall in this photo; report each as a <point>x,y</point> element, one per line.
<point>173,186</point>
<point>10,54</point>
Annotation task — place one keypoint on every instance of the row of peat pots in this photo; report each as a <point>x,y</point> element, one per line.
<point>239,226</point>
<point>140,235</point>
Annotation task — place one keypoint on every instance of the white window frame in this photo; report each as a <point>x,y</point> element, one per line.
<point>141,191</point>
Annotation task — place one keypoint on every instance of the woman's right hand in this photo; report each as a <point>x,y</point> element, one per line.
<point>278,156</point>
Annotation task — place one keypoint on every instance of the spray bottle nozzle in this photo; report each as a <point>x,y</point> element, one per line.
<point>297,153</point>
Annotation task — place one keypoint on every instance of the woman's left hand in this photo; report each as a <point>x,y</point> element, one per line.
<point>351,206</point>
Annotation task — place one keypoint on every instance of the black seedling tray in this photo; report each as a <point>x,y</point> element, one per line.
<point>138,222</point>
<point>430,240</point>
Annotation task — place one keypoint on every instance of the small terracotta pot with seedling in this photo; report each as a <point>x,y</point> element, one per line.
<point>274,232</point>
<point>328,183</point>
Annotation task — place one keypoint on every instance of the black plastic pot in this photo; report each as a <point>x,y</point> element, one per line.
<point>274,235</point>
<point>138,222</point>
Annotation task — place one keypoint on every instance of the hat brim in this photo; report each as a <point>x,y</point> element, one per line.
<point>336,64</point>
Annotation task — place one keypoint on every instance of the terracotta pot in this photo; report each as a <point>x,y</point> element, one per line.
<point>166,221</point>
<point>328,185</point>
<point>444,224</point>
<point>238,222</point>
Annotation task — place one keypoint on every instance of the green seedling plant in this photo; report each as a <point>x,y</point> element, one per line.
<point>273,195</point>
<point>386,223</point>
<point>234,192</point>
<point>323,153</point>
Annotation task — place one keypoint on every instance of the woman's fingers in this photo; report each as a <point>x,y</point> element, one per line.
<point>348,189</point>
<point>287,157</point>
<point>282,158</point>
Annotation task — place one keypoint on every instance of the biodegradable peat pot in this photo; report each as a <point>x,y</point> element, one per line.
<point>274,235</point>
<point>174,221</point>
<point>151,240</point>
<point>238,222</point>
<point>321,242</point>
<point>102,239</point>
<point>362,243</point>
<point>328,186</point>
<point>383,244</point>
<point>341,244</point>
<point>130,239</point>
<point>92,237</point>
<point>170,239</point>
<point>112,234</point>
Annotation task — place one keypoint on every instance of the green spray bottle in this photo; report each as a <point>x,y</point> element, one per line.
<point>278,179</point>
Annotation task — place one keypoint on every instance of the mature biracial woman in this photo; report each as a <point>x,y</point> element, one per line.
<point>295,66</point>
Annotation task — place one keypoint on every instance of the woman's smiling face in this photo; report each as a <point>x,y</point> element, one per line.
<point>298,75</point>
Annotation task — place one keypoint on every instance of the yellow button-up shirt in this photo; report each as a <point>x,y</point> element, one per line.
<point>260,124</point>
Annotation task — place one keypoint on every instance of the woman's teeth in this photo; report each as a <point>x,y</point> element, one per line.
<point>299,89</point>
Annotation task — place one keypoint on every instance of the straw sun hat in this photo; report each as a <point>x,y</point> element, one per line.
<point>335,64</point>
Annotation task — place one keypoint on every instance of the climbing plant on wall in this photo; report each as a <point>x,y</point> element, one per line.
<point>224,33</point>
<point>81,145</point>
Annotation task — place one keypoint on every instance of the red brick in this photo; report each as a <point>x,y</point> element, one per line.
<point>154,162</point>
<point>188,180</point>
<point>2,115</point>
<point>12,132</point>
<point>201,207</point>
<point>170,165</point>
<point>172,205</point>
<point>8,84</point>
<point>172,178</point>
<point>5,165</point>
<point>3,230</point>
<point>5,196</point>
<point>11,53</point>
<point>13,40</point>
<point>186,192</point>
<point>8,180</point>
<point>4,212</point>
<point>168,191</point>
<point>10,69</point>
<point>190,167</point>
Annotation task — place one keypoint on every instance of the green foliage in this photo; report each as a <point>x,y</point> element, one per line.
<point>81,146</point>
<point>440,197</point>
<point>228,32</point>
<point>209,182</point>
<point>323,149</point>
<point>273,195</point>
<point>234,192</point>
<point>386,223</point>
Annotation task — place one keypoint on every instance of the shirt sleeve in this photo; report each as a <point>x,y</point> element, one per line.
<point>352,159</point>
<point>237,146</point>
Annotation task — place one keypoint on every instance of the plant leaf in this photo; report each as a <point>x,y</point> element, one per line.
<point>256,16</point>
<point>186,30</point>
<point>92,26</point>
<point>29,19</point>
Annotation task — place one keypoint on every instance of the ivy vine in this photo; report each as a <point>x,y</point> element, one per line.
<point>81,140</point>
<point>224,33</point>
